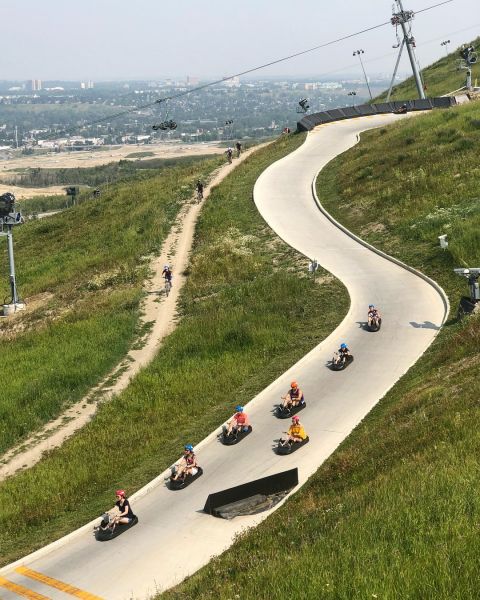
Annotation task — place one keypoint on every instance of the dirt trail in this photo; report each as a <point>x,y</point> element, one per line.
<point>157,310</point>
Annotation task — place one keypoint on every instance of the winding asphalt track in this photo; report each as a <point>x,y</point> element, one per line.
<point>174,538</point>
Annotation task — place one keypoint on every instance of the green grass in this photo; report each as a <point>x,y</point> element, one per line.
<point>394,512</point>
<point>39,204</point>
<point>144,154</point>
<point>82,274</point>
<point>441,77</point>
<point>246,295</point>
<point>426,185</point>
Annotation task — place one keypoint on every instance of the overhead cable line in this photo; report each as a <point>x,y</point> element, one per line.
<point>246,72</point>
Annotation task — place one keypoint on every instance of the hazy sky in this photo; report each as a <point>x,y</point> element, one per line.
<point>114,39</point>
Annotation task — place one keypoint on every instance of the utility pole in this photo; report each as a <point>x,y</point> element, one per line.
<point>359,54</point>
<point>16,137</point>
<point>402,18</point>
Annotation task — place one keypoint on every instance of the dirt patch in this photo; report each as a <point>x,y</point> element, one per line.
<point>22,192</point>
<point>372,228</point>
<point>88,158</point>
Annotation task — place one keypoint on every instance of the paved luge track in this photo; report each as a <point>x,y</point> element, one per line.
<point>173,532</point>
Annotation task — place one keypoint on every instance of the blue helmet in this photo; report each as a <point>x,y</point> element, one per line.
<point>343,345</point>
<point>371,306</point>
<point>189,447</point>
<point>239,408</point>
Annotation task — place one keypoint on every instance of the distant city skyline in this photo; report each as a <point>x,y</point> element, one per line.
<point>120,40</point>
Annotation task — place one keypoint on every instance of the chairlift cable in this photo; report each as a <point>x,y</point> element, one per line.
<point>247,71</point>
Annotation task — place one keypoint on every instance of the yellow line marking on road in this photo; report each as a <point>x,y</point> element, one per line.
<point>21,591</point>
<point>55,583</point>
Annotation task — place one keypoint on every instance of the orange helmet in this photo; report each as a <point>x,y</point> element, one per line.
<point>294,384</point>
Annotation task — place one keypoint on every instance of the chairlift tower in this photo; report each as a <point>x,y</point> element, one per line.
<point>402,18</point>
<point>8,219</point>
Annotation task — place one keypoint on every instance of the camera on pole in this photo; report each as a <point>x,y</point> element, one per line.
<point>468,58</point>
<point>470,304</point>
<point>9,217</point>
<point>469,55</point>
<point>72,191</point>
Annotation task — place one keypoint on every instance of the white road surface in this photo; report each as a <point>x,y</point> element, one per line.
<point>174,537</point>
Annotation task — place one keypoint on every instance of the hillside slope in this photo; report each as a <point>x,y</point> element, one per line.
<point>247,296</point>
<point>394,512</point>
<point>81,273</point>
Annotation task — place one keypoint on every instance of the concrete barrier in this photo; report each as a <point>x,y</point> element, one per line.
<point>309,122</point>
<point>274,484</point>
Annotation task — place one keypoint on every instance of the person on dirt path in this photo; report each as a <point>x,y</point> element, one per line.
<point>167,274</point>
<point>199,189</point>
<point>238,147</point>
<point>229,153</point>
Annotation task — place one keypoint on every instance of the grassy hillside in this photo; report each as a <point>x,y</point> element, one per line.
<point>82,273</point>
<point>394,512</point>
<point>243,289</point>
<point>440,78</point>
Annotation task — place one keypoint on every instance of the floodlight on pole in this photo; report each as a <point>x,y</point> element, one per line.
<point>353,94</point>
<point>359,54</point>
<point>445,43</point>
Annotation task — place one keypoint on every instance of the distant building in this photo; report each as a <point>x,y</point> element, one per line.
<point>233,82</point>
<point>143,139</point>
<point>52,144</point>
<point>90,85</point>
<point>331,85</point>
<point>192,81</point>
<point>36,85</point>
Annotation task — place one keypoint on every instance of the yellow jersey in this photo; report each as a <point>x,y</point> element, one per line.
<point>297,431</point>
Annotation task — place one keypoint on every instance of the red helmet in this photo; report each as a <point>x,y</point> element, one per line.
<point>295,418</point>
<point>120,493</point>
<point>294,384</point>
